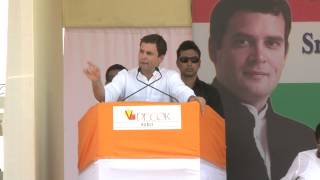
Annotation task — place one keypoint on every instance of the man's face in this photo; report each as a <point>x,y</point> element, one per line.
<point>252,55</point>
<point>188,63</point>
<point>148,58</point>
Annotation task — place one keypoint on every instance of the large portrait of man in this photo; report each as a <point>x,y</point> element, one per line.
<point>248,45</point>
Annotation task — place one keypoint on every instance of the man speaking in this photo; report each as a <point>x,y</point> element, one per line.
<point>147,82</point>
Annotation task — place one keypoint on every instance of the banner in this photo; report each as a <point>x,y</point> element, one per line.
<point>300,80</point>
<point>262,139</point>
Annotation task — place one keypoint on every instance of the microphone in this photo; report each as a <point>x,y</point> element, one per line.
<point>157,69</point>
<point>149,85</point>
<point>146,85</point>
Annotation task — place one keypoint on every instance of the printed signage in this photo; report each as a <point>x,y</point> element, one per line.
<point>146,117</point>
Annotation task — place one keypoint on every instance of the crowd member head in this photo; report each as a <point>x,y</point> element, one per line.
<point>188,59</point>
<point>248,44</point>
<point>112,71</point>
<point>318,139</point>
<point>152,51</point>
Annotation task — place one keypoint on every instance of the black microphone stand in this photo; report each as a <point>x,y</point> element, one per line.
<point>157,69</point>
<point>146,85</point>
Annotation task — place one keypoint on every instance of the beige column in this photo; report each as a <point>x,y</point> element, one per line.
<point>33,119</point>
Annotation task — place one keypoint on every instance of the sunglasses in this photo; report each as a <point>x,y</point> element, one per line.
<point>193,59</point>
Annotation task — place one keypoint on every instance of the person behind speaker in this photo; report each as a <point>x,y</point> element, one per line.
<point>188,62</point>
<point>111,72</point>
<point>306,165</point>
<point>127,86</point>
<point>248,45</point>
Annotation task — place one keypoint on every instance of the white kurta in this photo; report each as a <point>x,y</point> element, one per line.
<point>306,166</point>
<point>125,83</point>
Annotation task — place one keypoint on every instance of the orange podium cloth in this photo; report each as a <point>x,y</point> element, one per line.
<point>201,135</point>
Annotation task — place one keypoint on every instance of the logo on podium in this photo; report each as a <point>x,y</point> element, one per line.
<point>130,115</point>
<point>146,117</point>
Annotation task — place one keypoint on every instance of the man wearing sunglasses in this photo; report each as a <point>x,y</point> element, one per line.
<point>188,62</point>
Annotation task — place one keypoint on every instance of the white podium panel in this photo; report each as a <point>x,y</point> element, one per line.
<point>152,169</point>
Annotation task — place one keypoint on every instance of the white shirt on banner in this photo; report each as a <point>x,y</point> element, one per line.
<point>125,83</point>
<point>260,134</point>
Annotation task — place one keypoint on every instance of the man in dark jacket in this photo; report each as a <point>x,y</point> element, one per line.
<point>248,45</point>
<point>188,62</point>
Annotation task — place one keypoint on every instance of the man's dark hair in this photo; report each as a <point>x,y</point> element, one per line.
<point>225,9</point>
<point>111,68</point>
<point>158,40</point>
<point>186,45</point>
<point>317,133</point>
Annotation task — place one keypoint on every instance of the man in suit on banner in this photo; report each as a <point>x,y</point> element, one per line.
<point>248,45</point>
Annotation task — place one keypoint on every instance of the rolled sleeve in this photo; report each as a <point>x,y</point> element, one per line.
<point>178,89</point>
<point>114,90</point>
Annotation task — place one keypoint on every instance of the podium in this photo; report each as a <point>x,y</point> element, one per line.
<point>145,140</point>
